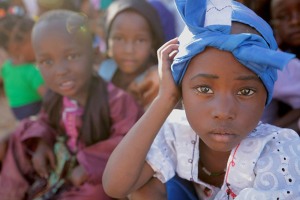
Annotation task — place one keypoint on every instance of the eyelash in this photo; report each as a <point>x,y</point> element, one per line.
<point>248,90</point>
<point>72,56</point>
<point>207,90</point>
<point>200,89</point>
<point>44,63</point>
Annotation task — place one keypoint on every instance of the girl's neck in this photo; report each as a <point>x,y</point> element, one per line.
<point>84,94</point>
<point>123,80</point>
<point>213,163</point>
<point>209,154</point>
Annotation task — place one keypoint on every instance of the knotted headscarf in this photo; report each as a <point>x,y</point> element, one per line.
<point>208,23</point>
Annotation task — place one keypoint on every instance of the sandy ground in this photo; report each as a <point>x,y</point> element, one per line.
<point>7,120</point>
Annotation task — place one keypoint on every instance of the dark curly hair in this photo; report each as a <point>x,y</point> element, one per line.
<point>14,27</point>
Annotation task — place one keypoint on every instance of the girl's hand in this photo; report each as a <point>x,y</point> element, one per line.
<point>166,53</point>
<point>43,159</point>
<point>146,90</point>
<point>78,176</point>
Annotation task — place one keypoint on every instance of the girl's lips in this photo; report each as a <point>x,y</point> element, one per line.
<point>222,134</point>
<point>222,137</point>
<point>67,85</point>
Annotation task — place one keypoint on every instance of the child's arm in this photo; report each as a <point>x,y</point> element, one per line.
<point>43,159</point>
<point>42,90</point>
<point>127,169</point>
<point>146,89</point>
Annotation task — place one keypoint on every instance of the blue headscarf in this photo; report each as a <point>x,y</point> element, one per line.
<point>208,23</point>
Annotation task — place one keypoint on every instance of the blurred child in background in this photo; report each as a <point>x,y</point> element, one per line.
<point>62,153</point>
<point>283,16</point>
<point>133,34</point>
<point>23,83</point>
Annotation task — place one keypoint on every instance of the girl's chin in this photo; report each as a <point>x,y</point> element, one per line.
<point>221,146</point>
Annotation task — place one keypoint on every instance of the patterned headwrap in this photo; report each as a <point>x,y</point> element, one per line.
<point>208,23</point>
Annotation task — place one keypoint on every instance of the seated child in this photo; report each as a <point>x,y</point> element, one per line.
<point>216,148</point>
<point>133,34</point>
<point>23,84</point>
<point>284,110</point>
<point>285,20</point>
<point>62,153</point>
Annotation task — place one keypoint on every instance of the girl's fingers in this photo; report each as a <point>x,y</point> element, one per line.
<point>165,50</point>
<point>52,160</point>
<point>167,55</point>
<point>172,41</point>
<point>40,168</point>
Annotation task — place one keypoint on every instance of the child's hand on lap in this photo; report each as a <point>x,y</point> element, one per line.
<point>43,159</point>
<point>78,176</point>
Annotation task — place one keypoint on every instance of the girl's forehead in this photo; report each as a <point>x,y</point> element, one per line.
<point>130,16</point>
<point>62,28</point>
<point>215,61</point>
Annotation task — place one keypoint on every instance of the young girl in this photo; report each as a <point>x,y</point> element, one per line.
<point>23,83</point>
<point>216,148</point>
<point>133,36</point>
<point>83,119</point>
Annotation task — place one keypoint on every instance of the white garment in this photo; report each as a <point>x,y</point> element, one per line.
<point>286,90</point>
<point>287,86</point>
<point>266,163</point>
<point>31,7</point>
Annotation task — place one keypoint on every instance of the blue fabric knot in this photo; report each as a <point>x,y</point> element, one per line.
<point>256,52</point>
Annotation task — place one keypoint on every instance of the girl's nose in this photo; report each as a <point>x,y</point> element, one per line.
<point>129,47</point>
<point>223,107</point>
<point>61,68</point>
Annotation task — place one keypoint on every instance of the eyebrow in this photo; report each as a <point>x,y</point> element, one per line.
<point>211,76</point>
<point>248,77</point>
<point>242,77</point>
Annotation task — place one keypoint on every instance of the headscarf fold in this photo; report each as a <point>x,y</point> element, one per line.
<point>208,23</point>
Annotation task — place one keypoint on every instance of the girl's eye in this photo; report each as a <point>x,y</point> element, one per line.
<point>72,56</point>
<point>45,63</point>
<point>204,89</point>
<point>141,40</point>
<point>246,92</point>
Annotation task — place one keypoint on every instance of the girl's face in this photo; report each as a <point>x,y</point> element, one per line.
<point>130,42</point>
<point>286,21</point>
<point>20,48</point>
<point>223,99</point>
<point>65,60</point>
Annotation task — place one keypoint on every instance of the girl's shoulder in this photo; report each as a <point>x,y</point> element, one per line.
<point>177,117</point>
<point>268,131</point>
<point>266,152</point>
<point>177,127</point>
